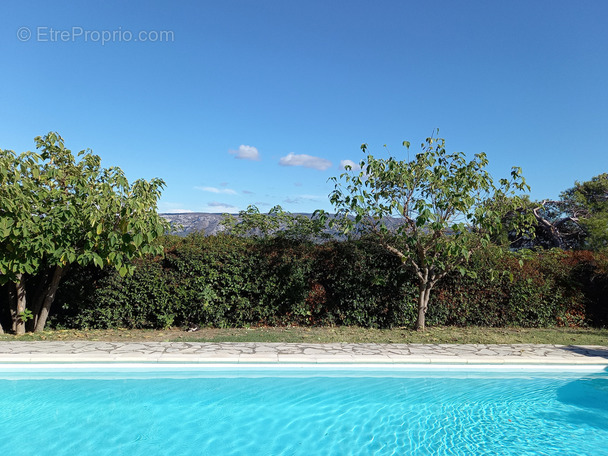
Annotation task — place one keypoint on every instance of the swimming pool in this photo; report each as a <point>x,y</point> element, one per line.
<point>302,410</point>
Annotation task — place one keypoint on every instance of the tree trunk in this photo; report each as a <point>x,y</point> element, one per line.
<point>12,306</point>
<point>37,299</point>
<point>423,303</point>
<point>19,324</point>
<point>48,299</point>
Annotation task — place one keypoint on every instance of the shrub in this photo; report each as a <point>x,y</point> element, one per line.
<point>103,299</point>
<point>365,286</point>
<point>226,281</point>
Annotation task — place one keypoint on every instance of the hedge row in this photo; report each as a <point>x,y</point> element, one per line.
<point>226,281</point>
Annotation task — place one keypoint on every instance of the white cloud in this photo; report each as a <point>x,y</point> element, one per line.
<point>312,197</point>
<point>246,153</point>
<point>301,198</point>
<point>307,161</point>
<point>221,207</point>
<point>226,191</point>
<point>354,166</point>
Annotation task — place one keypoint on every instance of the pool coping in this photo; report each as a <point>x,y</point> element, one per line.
<point>256,353</point>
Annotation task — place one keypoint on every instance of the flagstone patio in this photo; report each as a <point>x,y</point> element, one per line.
<point>253,352</point>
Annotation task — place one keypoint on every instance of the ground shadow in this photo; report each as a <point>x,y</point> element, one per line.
<point>593,352</point>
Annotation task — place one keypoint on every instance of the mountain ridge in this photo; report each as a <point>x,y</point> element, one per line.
<point>184,223</point>
<point>209,223</point>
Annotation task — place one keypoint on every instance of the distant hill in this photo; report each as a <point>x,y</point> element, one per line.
<point>194,222</point>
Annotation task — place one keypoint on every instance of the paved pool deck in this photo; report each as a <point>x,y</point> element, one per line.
<point>335,353</point>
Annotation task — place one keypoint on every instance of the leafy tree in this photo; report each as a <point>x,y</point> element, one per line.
<point>578,220</point>
<point>55,211</point>
<point>447,208</point>
<point>276,223</point>
<point>556,226</point>
<point>551,228</point>
<point>588,202</point>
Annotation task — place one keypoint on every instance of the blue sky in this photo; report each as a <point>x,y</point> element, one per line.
<point>258,102</point>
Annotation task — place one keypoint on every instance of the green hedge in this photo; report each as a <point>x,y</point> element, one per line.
<point>542,292</point>
<point>227,281</point>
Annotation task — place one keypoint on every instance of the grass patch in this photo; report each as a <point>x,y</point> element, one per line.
<point>435,335</point>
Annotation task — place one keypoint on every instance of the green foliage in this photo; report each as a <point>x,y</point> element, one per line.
<point>229,281</point>
<point>217,281</point>
<point>276,223</point>
<point>531,290</point>
<point>578,220</point>
<point>64,211</point>
<point>448,208</point>
<point>91,298</point>
<point>596,229</point>
<point>589,201</point>
<point>213,281</point>
<point>587,198</point>
<point>25,315</point>
<point>225,281</point>
<point>57,210</point>
<point>364,286</point>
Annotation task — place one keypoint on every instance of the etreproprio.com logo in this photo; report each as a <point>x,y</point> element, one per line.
<point>80,34</point>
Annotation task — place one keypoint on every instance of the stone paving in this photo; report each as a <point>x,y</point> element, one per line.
<point>253,352</point>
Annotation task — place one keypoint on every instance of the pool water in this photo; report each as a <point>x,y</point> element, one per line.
<point>272,412</point>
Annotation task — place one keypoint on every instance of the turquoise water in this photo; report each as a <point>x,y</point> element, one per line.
<point>303,413</point>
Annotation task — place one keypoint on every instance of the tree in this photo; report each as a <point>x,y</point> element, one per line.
<point>578,220</point>
<point>447,208</point>
<point>588,202</point>
<point>56,211</point>
<point>276,223</point>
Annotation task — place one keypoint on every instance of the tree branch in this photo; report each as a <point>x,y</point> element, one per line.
<point>405,258</point>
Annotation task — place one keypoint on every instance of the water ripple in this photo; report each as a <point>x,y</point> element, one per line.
<point>305,416</point>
